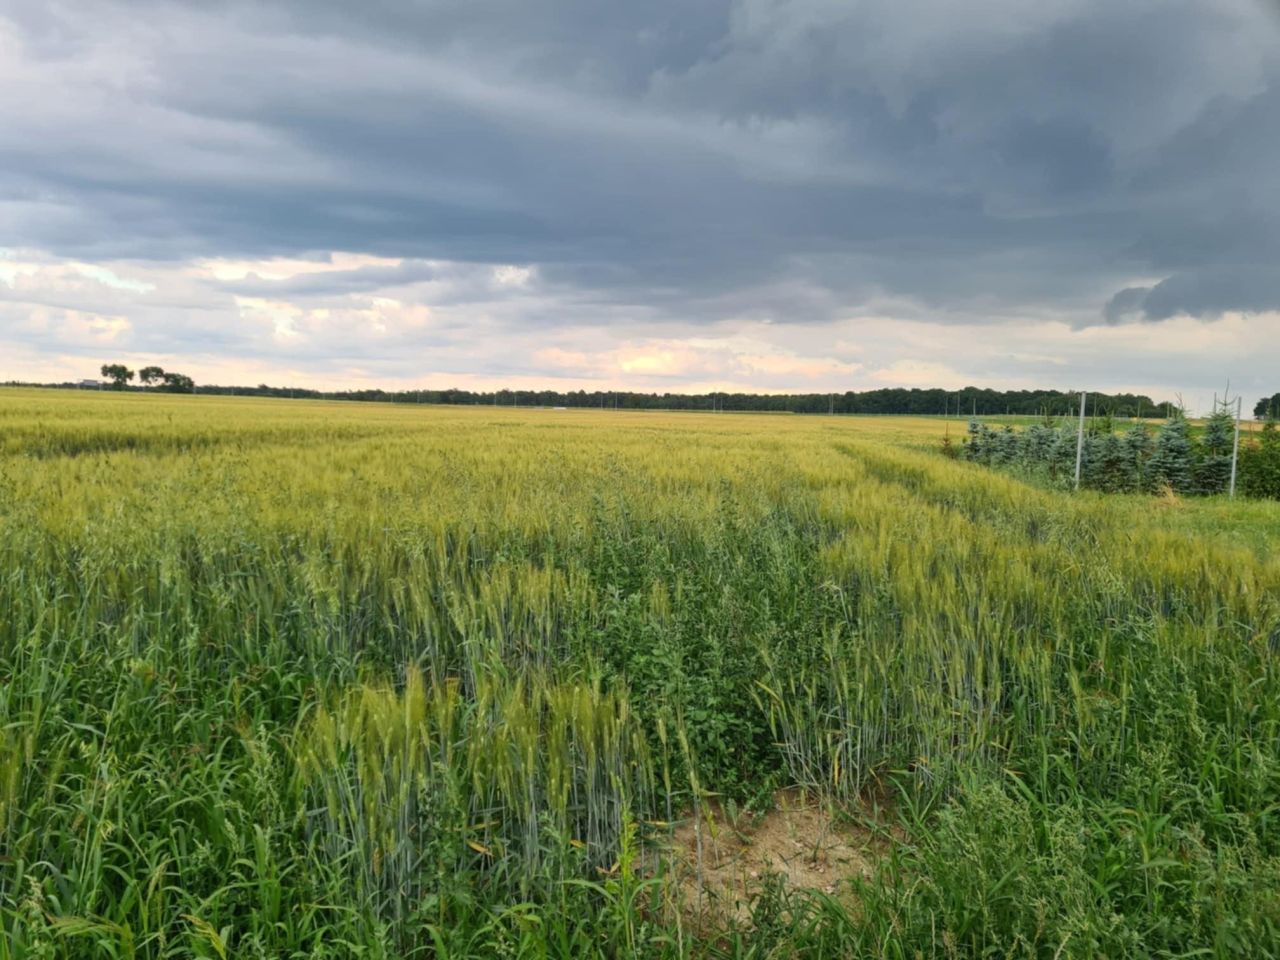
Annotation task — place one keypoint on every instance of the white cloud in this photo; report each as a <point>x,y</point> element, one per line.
<point>465,326</point>
<point>285,268</point>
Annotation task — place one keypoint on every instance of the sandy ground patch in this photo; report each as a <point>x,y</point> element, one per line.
<point>723,863</point>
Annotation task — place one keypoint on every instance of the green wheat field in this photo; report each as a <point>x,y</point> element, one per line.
<point>291,679</point>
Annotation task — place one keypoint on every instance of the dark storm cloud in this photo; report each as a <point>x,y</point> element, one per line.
<point>1208,292</point>
<point>787,160</point>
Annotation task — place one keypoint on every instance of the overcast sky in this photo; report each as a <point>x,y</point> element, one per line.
<point>761,195</point>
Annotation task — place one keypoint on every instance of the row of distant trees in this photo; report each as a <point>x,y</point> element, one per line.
<point>938,402</point>
<point>167,380</point>
<point>1136,459</point>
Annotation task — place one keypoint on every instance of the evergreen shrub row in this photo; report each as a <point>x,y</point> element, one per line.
<point>1136,459</point>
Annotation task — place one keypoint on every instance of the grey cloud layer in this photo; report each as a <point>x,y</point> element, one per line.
<point>789,161</point>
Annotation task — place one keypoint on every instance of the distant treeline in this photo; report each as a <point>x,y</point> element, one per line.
<point>968,401</point>
<point>939,402</point>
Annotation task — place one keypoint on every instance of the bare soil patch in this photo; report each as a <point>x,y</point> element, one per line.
<point>722,864</point>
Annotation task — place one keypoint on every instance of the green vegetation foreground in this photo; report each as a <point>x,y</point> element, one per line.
<point>286,679</point>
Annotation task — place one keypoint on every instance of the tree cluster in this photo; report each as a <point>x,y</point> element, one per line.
<point>1133,460</point>
<point>169,381</point>
<point>118,374</point>
<point>1267,407</point>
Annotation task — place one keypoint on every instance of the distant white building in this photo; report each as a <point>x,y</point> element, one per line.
<point>90,384</point>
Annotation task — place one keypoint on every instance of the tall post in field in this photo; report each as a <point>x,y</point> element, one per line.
<point>1235,449</point>
<point>1080,439</point>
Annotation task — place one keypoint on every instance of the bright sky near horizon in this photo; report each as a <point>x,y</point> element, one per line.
<point>763,195</point>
